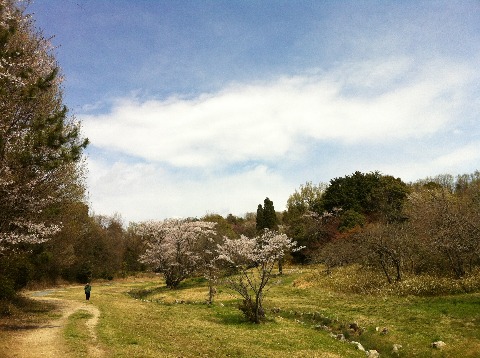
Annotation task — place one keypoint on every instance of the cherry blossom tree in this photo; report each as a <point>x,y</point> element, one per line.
<point>388,246</point>
<point>173,246</point>
<point>39,144</point>
<point>254,258</point>
<point>208,265</point>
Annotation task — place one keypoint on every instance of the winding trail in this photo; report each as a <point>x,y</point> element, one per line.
<point>47,340</point>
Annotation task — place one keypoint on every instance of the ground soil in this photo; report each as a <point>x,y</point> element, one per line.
<point>47,340</point>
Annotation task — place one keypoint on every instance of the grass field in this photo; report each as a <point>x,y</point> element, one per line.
<point>141,318</point>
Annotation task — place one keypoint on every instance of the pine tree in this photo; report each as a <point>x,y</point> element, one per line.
<point>39,143</point>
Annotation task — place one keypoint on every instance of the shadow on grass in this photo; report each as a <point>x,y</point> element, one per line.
<point>193,283</point>
<point>229,314</point>
<point>22,305</point>
<point>25,327</point>
<point>232,318</point>
<point>22,313</point>
<point>144,293</point>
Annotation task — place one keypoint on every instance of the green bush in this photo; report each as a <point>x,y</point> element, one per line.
<point>351,219</point>
<point>15,273</point>
<point>7,288</point>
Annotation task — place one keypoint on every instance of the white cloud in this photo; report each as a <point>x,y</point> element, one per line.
<point>267,121</point>
<point>457,161</point>
<point>427,160</point>
<point>225,152</point>
<point>146,191</point>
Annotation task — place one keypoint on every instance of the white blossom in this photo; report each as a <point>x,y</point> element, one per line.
<point>254,258</point>
<point>172,246</point>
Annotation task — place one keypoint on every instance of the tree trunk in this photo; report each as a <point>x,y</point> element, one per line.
<point>385,270</point>
<point>211,291</point>
<point>259,313</point>
<point>398,267</point>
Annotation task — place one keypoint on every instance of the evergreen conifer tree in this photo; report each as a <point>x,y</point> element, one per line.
<point>266,216</point>
<point>40,145</point>
<point>269,216</point>
<point>259,220</point>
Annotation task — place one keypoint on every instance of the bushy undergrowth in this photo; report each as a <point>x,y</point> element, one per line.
<point>6,308</point>
<point>358,280</point>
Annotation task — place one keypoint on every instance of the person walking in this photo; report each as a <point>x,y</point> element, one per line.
<point>87,289</point>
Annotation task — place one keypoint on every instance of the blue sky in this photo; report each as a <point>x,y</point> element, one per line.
<point>196,107</point>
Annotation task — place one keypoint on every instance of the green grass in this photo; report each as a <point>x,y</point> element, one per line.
<point>142,318</point>
<point>76,332</point>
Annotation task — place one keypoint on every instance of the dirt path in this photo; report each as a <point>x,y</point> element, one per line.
<point>47,340</point>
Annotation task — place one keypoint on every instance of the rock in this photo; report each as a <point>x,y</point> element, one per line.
<point>396,348</point>
<point>340,337</point>
<point>438,344</point>
<point>358,345</point>
<point>322,327</point>
<point>372,353</point>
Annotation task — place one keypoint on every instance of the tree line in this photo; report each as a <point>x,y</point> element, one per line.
<point>380,223</point>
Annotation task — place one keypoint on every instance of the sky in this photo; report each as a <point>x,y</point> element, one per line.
<point>197,107</point>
